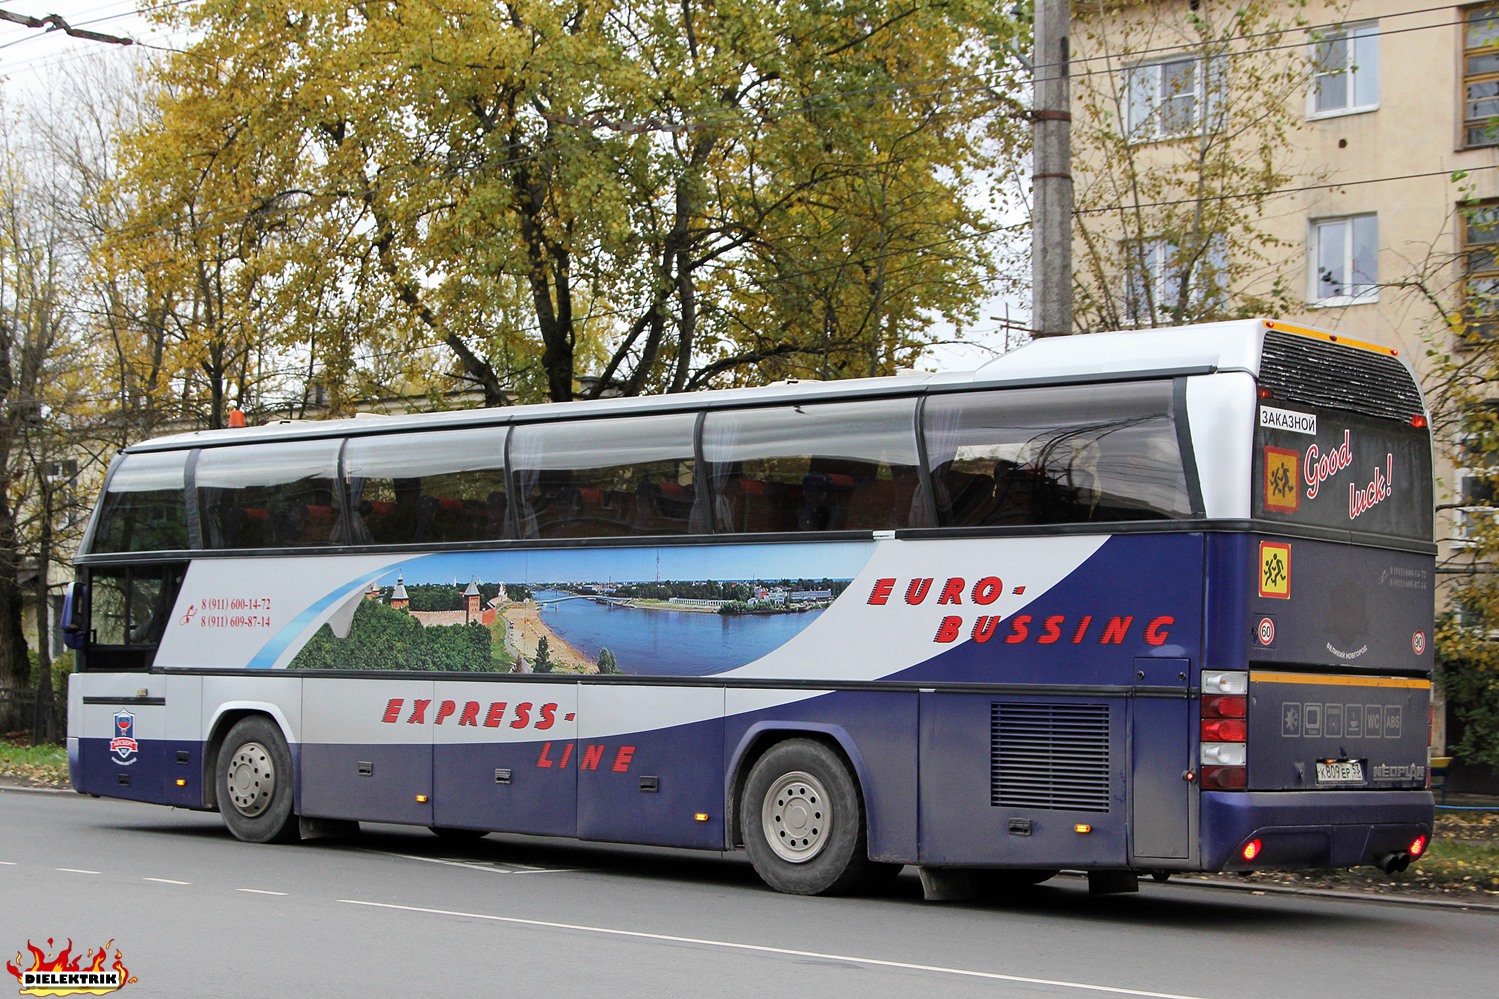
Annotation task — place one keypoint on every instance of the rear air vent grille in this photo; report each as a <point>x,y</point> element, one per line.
<point>1049,756</point>
<point>1317,373</point>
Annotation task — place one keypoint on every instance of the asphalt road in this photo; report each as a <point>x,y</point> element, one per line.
<point>396,912</point>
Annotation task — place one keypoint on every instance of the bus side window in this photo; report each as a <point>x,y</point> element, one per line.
<point>814,467</point>
<point>430,487</point>
<point>127,613</point>
<point>269,495</point>
<point>1069,454</point>
<point>144,507</point>
<point>605,478</point>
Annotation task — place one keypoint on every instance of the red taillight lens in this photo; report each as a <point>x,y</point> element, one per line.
<point>1224,778</point>
<point>1224,730</point>
<point>1418,846</point>
<point>1251,849</point>
<point>1224,706</point>
<point>1419,421</point>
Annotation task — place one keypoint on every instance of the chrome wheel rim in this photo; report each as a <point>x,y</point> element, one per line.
<point>251,779</point>
<point>796,817</point>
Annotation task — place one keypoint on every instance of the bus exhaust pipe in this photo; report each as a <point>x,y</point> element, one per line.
<point>1394,863</point>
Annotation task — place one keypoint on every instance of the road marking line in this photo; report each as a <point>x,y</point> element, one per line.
<point>782,951</point>
<point>167,881</point>
<point>8,863</point>
<point>260,891</point>
<point>74,870</point>
<point>486,868</point>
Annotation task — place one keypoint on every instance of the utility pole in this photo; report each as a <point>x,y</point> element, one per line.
<point>1051,130</point>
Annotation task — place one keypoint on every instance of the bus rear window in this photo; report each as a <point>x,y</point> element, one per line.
<point>1056,455</point>
<point>145,505</point>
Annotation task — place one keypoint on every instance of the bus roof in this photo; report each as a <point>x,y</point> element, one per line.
<point>1199,349</point>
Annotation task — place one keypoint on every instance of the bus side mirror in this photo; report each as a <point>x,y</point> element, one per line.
<point>73,624</point>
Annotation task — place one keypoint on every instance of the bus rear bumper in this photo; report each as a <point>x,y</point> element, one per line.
<point>1309,829</point>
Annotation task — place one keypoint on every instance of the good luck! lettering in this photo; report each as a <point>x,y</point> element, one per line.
<point>1318,467</point>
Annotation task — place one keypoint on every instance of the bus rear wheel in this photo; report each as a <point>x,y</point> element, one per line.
<point>803,822</point>
<point>254,782</point>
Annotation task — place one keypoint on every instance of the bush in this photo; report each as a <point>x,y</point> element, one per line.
<point>1468,669</point>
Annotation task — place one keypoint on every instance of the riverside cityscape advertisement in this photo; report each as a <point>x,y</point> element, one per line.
<point>678,610</point>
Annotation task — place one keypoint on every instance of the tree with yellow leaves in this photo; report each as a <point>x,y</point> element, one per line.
<point>541,199</point>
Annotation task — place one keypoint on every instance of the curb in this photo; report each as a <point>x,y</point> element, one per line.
<point>1346,896</point>
<point>7,788</point>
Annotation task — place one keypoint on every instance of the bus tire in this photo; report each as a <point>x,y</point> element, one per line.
<point>255,780</point>
<point>803,821</point>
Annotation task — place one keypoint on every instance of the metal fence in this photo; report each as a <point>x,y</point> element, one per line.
<point>19,715</point>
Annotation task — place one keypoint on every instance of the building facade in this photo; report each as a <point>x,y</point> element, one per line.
<point>1334,164</point>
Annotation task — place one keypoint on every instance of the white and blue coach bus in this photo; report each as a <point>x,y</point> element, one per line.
<point>1134,602</point>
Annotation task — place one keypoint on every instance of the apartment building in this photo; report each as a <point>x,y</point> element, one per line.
<point>1371,204</point>
<point>1335,164</point>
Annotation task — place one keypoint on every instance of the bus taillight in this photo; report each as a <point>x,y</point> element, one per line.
<point>1224,730</point>
<point>1224,778</point>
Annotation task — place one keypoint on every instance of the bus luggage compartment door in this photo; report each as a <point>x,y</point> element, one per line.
<point>121,749</point>
<point>1014,780</point>
<point>1162,822</point>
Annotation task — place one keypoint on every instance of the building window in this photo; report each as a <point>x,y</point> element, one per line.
<point>1155,268</point>
<point>1476,477</point>
<point>1476,480</point>
<point>1480,262</point>
<point>1345,71</point>
<point>1481,76</point>
<point>1345,260</point>
<point>1171,99</point>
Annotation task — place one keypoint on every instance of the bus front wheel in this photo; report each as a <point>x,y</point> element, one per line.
<point>254,777</point>
<point>803,821</point>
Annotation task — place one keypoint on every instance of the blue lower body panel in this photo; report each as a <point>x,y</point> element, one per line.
<point>1308,829</point>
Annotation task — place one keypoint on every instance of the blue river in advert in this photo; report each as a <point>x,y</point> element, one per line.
<point>656,642</point>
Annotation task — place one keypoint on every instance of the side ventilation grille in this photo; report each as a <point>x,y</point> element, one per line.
<point>1049,756</point>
